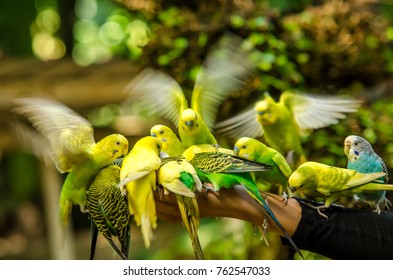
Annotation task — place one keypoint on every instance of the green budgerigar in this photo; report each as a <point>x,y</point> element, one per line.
<point>225,70</point>
<point>72,148</point>
<point>178,176</point>
<point>108,210</point>
<point>285,124</point>
<point>252,149</point>
<point>171,144</point>
<point>224,170</point>
<point>315,179</point>
<point>138,180</point>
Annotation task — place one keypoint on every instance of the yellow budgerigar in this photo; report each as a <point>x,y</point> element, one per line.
<point>72,148</point>
<point>138,181</point>
<point>225,70</point>
<point>178,176</point>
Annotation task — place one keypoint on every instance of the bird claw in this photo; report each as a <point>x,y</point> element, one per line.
<point>123,190</point>
<point>208,188</point>
<point>83,208</point>
<point>387,204</point>
<point>377,209</point>
<point>318,208</point>
<point>160,192</point>
<point>284,197</point>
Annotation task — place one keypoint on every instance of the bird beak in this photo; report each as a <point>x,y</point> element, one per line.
<point>260,113</point>
<point>125,150</point>
<point>163,155</point>
<point>153,135</point>
<point>236,150</point>
<point>292,188</point>
<point>190,123</point>
<point>347,146</point>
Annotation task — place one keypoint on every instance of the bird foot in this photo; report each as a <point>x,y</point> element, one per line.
<point>318,208</point>
<point>377,209</point>
<point>387,204</point>
<point>160,192</point>
<point>123,191</point>
<point>284,197</point>
<point>83,208</point>
<point>209,188</point>
<point>337,205</point>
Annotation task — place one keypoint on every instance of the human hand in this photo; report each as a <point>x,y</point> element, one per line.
<point>233,203</point>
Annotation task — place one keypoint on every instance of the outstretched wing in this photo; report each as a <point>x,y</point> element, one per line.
<point>70,135</point>
<point>225,70</point>
<point>314,111</point>
<point>157,94</point>
<point>244,124</point>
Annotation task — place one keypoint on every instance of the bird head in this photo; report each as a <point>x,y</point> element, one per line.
<point>245,147</point>
<point>114,145</point>
<point>189,119</point>
<point>355,145</point>
<point>160,132</point>
<point>151,143</point>
<point>264,110</point>
<point>303,179</point>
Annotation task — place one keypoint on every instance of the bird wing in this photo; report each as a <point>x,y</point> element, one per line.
<point>360,179</point>
<point>243,124</point>
<point>314,111</point>
<point>282,165</point>
<point>225,70</point>
<point>70,135</point>
<point>33,141</point>
<point>217,162</point>
<point>155,93</point>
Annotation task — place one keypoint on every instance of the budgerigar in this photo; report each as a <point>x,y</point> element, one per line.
<point>108,209</point>
<point>252,149</point>
<point>138,181</point>
<point>171,145</point>
<point>178,176</point>
<point>285,124</point>
<point>72,148</point>
<point>331,183</point>
<point>225,70</point>
<point>226,170</point>
<point>362,158</point>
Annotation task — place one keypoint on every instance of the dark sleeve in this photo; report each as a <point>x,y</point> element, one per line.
<point>346,234</point>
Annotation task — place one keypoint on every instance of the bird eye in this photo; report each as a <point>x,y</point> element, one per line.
<point>161,132</point>
<point>118,143</point>
<point>244,146</point>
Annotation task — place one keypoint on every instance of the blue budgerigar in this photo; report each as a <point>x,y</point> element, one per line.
<point>362,158</point>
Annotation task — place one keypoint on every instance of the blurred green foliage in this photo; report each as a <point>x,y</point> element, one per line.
<point>326,46</point>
